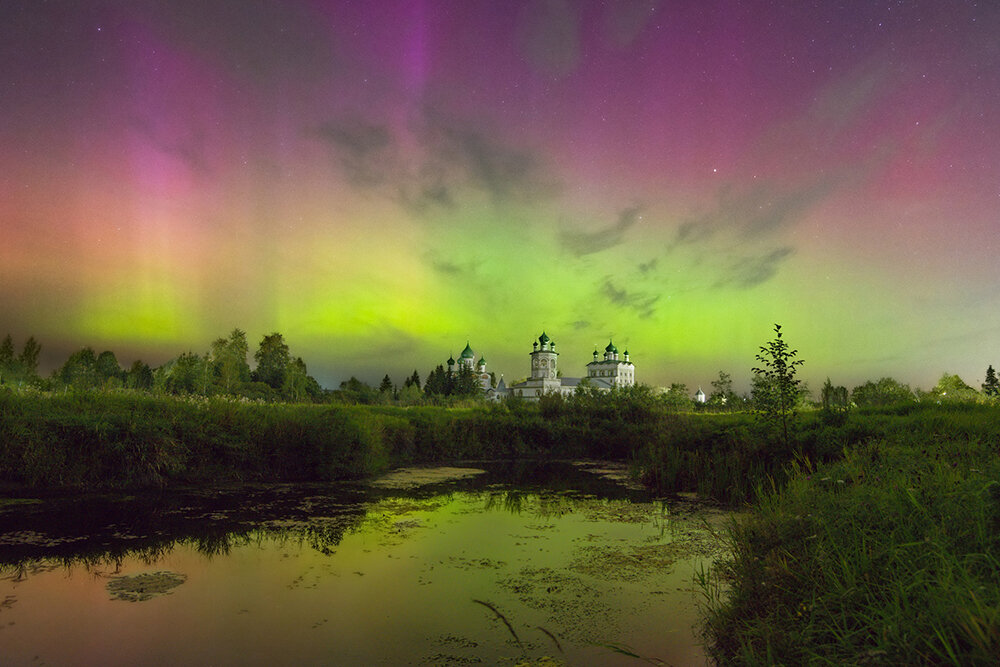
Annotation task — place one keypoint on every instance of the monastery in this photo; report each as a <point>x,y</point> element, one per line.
<point>602,374</point>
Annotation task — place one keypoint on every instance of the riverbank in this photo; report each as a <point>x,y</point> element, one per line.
<point>92,441</point>
<point>130,440</point>
<point>871,536</point>
<point>889,555</point>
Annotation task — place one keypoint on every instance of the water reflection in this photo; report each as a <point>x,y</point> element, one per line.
<point>427,574</point>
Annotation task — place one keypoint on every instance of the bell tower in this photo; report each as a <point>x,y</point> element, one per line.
<point>544,359</point>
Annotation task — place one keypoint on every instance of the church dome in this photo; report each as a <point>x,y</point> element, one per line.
<point>467,353</point>
<point>543,339</point>
<point>611,348</point>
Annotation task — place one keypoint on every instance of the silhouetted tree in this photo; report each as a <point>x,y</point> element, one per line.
<point>722,394</point>
<point>28,359</point>
<point>229,361</point>
<point>139,376</point>
<point>776,388</point>
<point>677,398</point>
<point>272,358</point>
<point>885,391</point>
<point>412,381</point>
<point>833,398</point>
<point>297,381</point>
<point>437,382</point>
<point>356,391</point>
<point>22,368</point>
<point>80,370</point>
<point>185,374</point>
<point>7,361</point>
<point>109,373</point>
<point>386,385</point>
<point>465,383</point>
<point>992,386</point>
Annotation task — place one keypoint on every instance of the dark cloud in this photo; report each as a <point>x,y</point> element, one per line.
<point>580,324</point>
<point>429,189</point>
<point>366,152</point>
<point>643,303</point>
<point>759,212</point>
<point>646,267</point>
<point>766,212</point>
<point>747,272</point>
<point>451,268</point>
<point>585,243</point>
<point>477,159</point>
<point>451,159</point>
<point>549,36</point>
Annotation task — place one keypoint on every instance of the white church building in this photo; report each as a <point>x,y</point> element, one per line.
<point>603,374</point>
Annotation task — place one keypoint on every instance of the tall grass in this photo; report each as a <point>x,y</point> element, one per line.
<point>120,440</point>
<point>889,555</point>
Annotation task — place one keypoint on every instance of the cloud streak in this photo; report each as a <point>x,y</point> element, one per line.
<point>750,271</point>
<point>444,161</point>
<point>643,304</point>
<point>586,243</point>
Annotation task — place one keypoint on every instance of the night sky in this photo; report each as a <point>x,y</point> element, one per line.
<point>383,181</point>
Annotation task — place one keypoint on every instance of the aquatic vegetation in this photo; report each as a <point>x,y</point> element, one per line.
<point>145,586</point>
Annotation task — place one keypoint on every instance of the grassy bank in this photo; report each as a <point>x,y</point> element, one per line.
<point>122,440</point>
<point>888,555</point>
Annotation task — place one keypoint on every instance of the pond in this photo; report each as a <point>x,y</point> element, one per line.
<point>517,563</point>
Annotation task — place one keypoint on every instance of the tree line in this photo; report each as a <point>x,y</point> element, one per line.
<point>224,369</point>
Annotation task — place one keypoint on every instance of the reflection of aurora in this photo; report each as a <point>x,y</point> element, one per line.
<point>96,531</point>
<point>261,569</point>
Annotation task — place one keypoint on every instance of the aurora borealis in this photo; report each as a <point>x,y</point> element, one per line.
<point>382,181</point>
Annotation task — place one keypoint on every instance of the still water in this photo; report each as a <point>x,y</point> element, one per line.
<point>473,564</point>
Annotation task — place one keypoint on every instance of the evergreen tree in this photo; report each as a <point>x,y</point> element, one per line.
<point>466,383</point>
<point>992,386</point>
<point>28,360</point>
<point>386,385</point>
<point>437,382</point>
<point>7,359</point>
<point>412,381</point>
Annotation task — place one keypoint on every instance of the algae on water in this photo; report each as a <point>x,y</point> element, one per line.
<point>145,586</point>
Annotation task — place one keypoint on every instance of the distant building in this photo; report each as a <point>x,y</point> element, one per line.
<point>604,374</point>
<point>611,371</point>
<point>699,397</point>
<point>468,360</point>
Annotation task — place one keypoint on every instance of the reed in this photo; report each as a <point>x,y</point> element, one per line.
<point>888,555</point>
